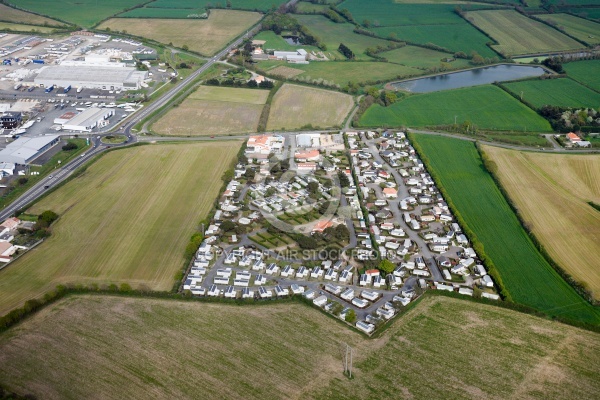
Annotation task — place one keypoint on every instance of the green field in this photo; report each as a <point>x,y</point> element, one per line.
<point>585,72</point>
<point>586,31</point>
<point>174,13</point>
<point>460,37</point>
<point>137,348</point>
<point>413,56</point>
<point>306,7</point>
<point>251,5</point>
<point>517,34</point>
<point>276,42</point>
<point>9,14</point>
<point>128,219</point>
<point>527,276</point>
<point>295,106</point>
<point>488,107</point>
<point>589,13</point>
<point>558,92</point>
<point>332,34</point>
<point>85,13</point>
<point>340,72</point>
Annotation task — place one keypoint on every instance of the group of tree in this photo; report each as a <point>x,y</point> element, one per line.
<point>345,50</point>
<point>343,178</point>
<point>266,84</point>
<point>70,146</point>
<point>280,22</point>
<point>339,233</point>
<point>564,119</point>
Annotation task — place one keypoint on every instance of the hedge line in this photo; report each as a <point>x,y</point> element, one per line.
<point>477,245</point>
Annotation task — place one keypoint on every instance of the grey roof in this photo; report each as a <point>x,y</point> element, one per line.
<point>92,114</point>
<point>85,74</point>
<point>23,149</point>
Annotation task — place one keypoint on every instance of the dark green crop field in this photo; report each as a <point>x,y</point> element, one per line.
<point>527,276</point>
<point>556,92</point>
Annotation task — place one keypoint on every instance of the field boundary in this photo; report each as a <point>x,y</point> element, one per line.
<point>575,284</point>
<point>70,24</point>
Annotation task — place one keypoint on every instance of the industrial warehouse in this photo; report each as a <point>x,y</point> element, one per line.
<point>25,149</point>
<point>86,120</point>
<point>91,77</point>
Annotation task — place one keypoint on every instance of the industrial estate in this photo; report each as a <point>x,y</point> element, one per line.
<point>299,199</point>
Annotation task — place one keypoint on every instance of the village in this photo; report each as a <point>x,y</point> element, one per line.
<point>350,221</point>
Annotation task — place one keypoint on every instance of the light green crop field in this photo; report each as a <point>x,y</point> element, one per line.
<point>488,107</point>
<point>527,276</point>
<point>332,34</point>
<point>128,219</point>
<point>340,72</point>
<point>205,36</point>
<point>7,27</point>
<point>559,92</point>
<point>296,106</point>
<point>111,347</point>
<point>517,34</point>
<point>9,14</point>
<point>584,30</point>
<point>585,72</point>
<point>214,110</point>
<point>413,56</point>
<point>86,13</point>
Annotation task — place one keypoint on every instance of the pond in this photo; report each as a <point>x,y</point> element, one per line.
<point>473,77</point>
<point>293,40</point>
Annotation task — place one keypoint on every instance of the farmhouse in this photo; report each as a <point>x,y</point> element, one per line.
<point>264,144</point>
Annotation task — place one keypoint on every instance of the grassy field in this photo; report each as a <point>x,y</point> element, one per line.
<point>589,13</point>
<point>285,72</point>
<point>585,72</point>
<point>296,106</point>
<point>206,36</point>
<point>560,185</point>
<point>457,37</point>
<point>332,34</point>
<point>517,34</point>
<point>9,14</point>
<point>108,347</point>
<point>85,13</point>
<point>413,56</point>
<point>127,219</point>
<point>488,107</point>
<point>527,276</point>
<point>214,110</point>
<point>7,27</point>
<point>252,5</point>
<point>276,42</point>
<point>559,92</point>
<point>340,72</point>
<point>584,30</point>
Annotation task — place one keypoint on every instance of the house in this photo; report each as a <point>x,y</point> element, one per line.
<point>316,273</point>
<point>288,272</point>
<point>320,301</point>
<point>369,295</point>
<point>321,225</point>
<point>336,290</point>
<point>260,279</point>
<point>247,293</point>
<point>214,291</point>
<point>331,275</point>
<point>364,280</point>
<point>441,286</point>
<point>280,291</point>
<point>402,300</point>
<point>9,225</point>
<point>264,293</point>
<point>365,327</point>
<point>272,269</point>
<point>360,303</point>
<point>390,193</point>
<point>309,294</point>
<point>348,294</point>
<point>466,291</point>
<point>385,313</point>
<point>297,289</point>
<point>378,282</point>
<point>10,120</point>
<point>345,276</point>
<point>573,138</point>
<point>302,272</point>
<point>306,156</point>
<point>491,296</point>
<point>486,280</point>
<point>230,292</point>
<point>264,144</point>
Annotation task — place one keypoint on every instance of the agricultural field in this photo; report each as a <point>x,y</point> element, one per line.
<point>285,72</point>
<point>340,72</point>
<point>213,110</point>
<point>517,34</point>
<point>561,185</point>
<point>487,107</point>
<point>332,34</point>
<point>306,7</point>
<point>251,5</point>
<point>127,219</point>
<point>559,92</point>
<point>588,13</point>
<point>459,37</point>
<point>276,42</point>
<point>7,26</point>
<point>526,275</point>
<point>205,36</point>
<point>289,351</point>
<point>9,14</point>
<point>85,13</point>
<point>419,57</point>
<point>585,72</point>
<point>296,106</point>
<point>584,30</point>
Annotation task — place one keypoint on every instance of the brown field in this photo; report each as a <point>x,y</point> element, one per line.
<point>551,191</point>
<point>206,36</point>
<point>128,218</point>
<point>9,14</point>
<point>296,106</point>
<point>213,110</point>
<point>140,348</point>
<point>285,72</point>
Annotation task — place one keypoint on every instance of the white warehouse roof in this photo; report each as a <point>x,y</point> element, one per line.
<point>25,149</point>
<point>89,76</point>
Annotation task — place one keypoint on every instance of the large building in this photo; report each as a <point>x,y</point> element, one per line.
<point>88,119</point>
<point>10,120</point>
<point>25,149</point>
<point>90,77</point>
